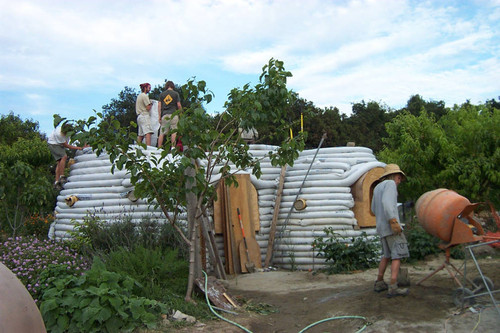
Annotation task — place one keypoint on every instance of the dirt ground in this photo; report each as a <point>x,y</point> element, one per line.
<point>299,299</point>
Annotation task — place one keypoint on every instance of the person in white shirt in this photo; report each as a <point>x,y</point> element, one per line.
<point>58,142</point>
<point>142,108</point>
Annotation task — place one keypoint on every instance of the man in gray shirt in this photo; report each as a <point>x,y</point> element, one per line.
<point>394,244</point>
<point>169,102</point>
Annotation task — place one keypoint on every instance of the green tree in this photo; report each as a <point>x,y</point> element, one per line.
<point>460,152</point>
<point>122,108</point>
<point>416,144</point>
<point>183,183</point>
<point>25,179</point>
<point>366,125</point>
<point>416,104</point>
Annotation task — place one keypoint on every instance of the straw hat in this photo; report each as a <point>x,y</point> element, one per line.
<point>391,169</point>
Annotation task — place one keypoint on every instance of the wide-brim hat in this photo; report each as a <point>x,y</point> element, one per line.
<point>392,169</point>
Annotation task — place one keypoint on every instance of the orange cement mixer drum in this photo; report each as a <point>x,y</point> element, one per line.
<point>437,210</point>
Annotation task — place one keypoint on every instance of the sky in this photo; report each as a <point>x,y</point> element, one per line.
<point>72,57</point>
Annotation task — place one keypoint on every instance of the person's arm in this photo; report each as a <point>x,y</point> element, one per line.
<point>390,204</point>
<point>66,145</point>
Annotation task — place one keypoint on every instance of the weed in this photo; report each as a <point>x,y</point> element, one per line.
<point>361,253</point>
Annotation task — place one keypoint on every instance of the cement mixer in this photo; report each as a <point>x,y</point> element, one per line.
<point>448,216</point>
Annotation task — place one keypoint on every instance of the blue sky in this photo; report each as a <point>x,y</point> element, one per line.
<point>73,57</point>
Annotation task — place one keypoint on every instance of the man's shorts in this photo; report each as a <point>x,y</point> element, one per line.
<point>168,124</point>
<point>395,247</point>
<point>144,124</point>
<point>57,151</point>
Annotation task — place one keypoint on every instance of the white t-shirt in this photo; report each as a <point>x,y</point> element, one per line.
<point>57,137</point>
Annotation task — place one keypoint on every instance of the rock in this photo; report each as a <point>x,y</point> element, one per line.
<point>179,316</point>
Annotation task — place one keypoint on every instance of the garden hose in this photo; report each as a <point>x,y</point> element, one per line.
<point>303,330</point>
<point>215,313</point>
<point>335,318</point>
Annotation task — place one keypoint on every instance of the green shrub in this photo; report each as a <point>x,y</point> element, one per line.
<point>148,252</point>
<point>345,254</point>
<point>38,225</point>
<point>28,257</point>
<point>420,243</point>
<point>97,301</point>
<point>162,274</point>
<point>96,237</point>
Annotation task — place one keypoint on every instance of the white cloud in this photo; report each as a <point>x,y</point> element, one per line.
<point>338,51</point>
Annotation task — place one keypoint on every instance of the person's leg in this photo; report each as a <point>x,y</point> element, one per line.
<point>61,165</point>
<point>148,139</point>
<point>163,129</point>
<point>380,284</point>
<point>399,249</point>
<point>382,267</point>
<point>139,138</point>
<point>173,126</point>
<point>396,263</point>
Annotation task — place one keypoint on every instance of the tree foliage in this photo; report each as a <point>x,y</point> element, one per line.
<point>460,152</point>
<point>25,185</point>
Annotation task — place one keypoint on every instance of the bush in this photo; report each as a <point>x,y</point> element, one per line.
<point>148,252</point>
<point>38,225</point>
<point>361,253</point>
<point>161,273</point>
<point>28,257</point>
<point>420,243</point>
<point>96,237</point>
<point>97,301</point>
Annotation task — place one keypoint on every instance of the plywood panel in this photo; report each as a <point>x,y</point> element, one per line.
<point>362,193</point>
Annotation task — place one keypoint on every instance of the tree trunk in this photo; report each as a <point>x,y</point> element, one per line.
<point>194,234</point>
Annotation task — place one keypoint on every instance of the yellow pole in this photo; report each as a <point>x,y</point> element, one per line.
<point>291,133</point>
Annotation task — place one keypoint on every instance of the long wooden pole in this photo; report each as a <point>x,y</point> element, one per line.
<point>272,232</point>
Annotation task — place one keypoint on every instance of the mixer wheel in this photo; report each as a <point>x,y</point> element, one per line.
<point>461,297</point>
<point>480,284</point>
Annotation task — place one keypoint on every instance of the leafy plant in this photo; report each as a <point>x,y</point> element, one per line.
<point>460,151</point>
<point>159,271</point>
<point>25,179</point>
<point>345,254</point>
<point>97,301</point>
<point>28,257</point>
<point>38,225</point>
<point>420,243</point>
<point>95,237</point>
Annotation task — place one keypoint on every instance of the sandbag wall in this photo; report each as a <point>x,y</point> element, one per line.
<point>100,193</point>
<point>327,196</point>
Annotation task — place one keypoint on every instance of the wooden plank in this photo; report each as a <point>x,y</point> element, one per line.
<point>232,233</point>
<point>272,231</point>
<point>362,193</point>
<point>219,219</point>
